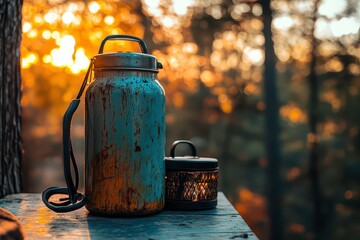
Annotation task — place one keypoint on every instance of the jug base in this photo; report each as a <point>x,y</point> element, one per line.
<point>125,214</point>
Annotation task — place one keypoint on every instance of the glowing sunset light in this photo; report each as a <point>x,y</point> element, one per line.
<point>109,20</point>
<point>50,17</point>
<point>330,8</point>
<point>57,59</point>
<point>207,77</point>
<point>171,16</point>
<point>94,7</point>
<point>322,29</point>
<point>152,3</point>
<point>32,33</point>
<point>46,58</point>
<point>55,35</point>
<point>230,50</point>
<point>190,48</point>
<point>81,61</point>
<point>28,60</point>
<point>293,113</point>
<point>335,20</point>
<point>38,19</point>
<point>168,22</point>
<point>180,7</point>
<point>67,42</point>
<point>233,60</point>
<point>251,88</point>
<point>225,103</point>
<point>178,100</point>
<point>46,34</point>
<point>255,56</point>
<point>76,6</point>
<point>63,57</point>
<point>26,27</point>
<point>68,17</point>
<point>344,26</point>
<point>283,22</point>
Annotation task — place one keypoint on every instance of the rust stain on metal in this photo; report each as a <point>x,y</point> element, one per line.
<point>106,164</point>
<point>137,147</point>
<point>123,97</point>
<point>112,193</point>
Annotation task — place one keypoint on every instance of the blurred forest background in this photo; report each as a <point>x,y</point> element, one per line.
<point>214,59</point>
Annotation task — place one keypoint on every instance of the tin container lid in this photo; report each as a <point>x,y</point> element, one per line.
<point>125,60</point>
<point>192,163</point>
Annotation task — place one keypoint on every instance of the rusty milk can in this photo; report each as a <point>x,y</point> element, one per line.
<point>124,137</point>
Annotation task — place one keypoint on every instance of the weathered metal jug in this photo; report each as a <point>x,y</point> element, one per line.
<point>124,137</point>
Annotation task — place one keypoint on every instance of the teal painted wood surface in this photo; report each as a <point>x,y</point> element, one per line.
<point>41,223</point>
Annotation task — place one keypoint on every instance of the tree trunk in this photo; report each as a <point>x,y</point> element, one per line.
<point>272,130</point>
<point>10,93</point>
<point>318,218</point>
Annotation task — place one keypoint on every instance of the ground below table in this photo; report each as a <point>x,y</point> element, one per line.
<point>41,223</point>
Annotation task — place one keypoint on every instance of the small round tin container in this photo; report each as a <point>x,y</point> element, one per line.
<point>191,181</point>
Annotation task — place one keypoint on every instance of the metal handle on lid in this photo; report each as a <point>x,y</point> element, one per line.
<point>193,149</point>
<point>124,37</point>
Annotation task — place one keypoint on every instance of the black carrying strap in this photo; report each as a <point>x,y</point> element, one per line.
<point>75,199</point>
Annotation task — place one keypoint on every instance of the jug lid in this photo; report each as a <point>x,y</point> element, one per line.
<point>126,61</point>
<point>192,163</point>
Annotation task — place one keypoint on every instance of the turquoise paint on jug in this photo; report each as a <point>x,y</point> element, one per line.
<point>125,141</point>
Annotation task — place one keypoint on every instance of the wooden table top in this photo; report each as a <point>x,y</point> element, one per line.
<point>41,223</point>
